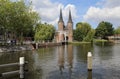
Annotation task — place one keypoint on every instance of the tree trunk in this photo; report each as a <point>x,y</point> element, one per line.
<point>21,38</point>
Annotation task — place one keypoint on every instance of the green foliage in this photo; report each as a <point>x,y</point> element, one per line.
<point>89,36</point>
<point>117,30</point>
<point>104,29</point>
<point>44,32</point>
<point>17,18</point>
<point>83,32</point>
<point>77,35</point>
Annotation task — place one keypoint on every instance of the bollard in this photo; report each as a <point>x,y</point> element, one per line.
<point>89,61</point>
<point>22,62</point>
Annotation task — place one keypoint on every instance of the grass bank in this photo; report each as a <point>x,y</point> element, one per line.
<point>100,40</point>
<point>79,42</point>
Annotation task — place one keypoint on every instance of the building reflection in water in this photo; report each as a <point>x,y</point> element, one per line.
<point>65,53</point>
<point>70,58</point>
<point>61,58</point>
<point>89,75</point>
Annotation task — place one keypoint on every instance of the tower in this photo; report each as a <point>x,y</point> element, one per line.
<point>60,27</point>
<point>64,34</point>
<point>60,22</point>
<point>70,27</point>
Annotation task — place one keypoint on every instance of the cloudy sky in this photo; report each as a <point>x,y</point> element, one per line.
<point>91,11</point>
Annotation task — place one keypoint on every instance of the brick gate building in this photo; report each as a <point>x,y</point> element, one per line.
<point>64,33</point>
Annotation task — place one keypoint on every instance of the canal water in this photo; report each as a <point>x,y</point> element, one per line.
<point>66,62</point>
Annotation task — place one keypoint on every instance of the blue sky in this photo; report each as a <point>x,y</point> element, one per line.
<point>81,6</point>
<point>91,11</point>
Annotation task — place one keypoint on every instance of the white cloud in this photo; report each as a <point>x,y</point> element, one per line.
<point>111,3</point>
<point>49,11</point>
<point>109,12</point>
<point>66,11</point>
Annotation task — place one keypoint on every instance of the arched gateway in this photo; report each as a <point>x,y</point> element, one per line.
<point>64,33</point>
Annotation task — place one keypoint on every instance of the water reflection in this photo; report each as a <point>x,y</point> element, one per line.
<point>61,58</point>
<point>82,51</point>
<point>68,62</point>
<point>89,75</point>
<point>65,54</point>
<point>105,53</point>
<point>70,56</point>
<point>70,59</point>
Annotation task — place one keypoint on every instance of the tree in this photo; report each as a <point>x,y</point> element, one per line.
<point>44,32</point>
<point>104,29</point>
<point>117,30</point>
<point>77,35</point>
<point>17,18</point>
<point>83,31</point>
<point>90,35</point>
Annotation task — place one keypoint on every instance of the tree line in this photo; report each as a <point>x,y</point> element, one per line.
<point>84,32</point>
<point>18,20</point>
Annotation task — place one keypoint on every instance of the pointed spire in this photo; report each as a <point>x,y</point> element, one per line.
<point>61,18</point>
<point>70,17</point>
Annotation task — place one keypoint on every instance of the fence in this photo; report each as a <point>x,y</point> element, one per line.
<point>21,70</point>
